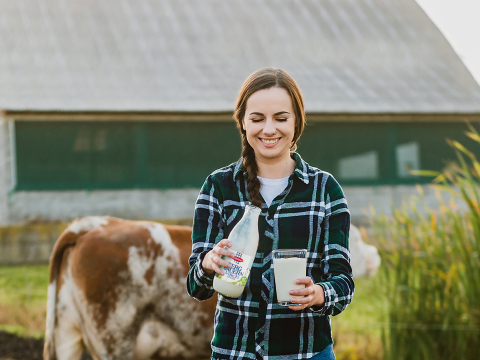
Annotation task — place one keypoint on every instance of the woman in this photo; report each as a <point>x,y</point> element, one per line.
<point>302,208</point>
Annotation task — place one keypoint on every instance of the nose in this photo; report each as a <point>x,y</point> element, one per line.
<point>269,129</point>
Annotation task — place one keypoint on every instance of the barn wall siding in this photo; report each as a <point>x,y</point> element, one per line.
<point>130,204</point>
<point>176,204</point>
<point>33,241</point>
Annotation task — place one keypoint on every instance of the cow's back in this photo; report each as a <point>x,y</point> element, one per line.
<point>128,282</point>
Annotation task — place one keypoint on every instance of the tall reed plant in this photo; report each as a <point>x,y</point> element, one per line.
<point>431,267</point>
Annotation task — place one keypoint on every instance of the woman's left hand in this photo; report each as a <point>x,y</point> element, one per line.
<point>314,294</point>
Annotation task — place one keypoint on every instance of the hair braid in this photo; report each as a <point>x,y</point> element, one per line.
<point>250,164</point>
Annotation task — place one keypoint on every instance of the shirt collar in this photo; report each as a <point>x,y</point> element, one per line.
<point>301,168</point>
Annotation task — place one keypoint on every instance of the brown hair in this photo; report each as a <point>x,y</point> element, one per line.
<point>260,80</point>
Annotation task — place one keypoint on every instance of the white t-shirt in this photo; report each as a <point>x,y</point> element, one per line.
<point>271,188</point>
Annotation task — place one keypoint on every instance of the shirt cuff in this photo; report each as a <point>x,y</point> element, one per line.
<point>323,309</point>
<point>201,275</point>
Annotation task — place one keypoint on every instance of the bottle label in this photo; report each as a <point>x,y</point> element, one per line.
<point>238,273</point>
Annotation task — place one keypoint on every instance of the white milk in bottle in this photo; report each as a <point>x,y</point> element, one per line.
<point>244,239</point>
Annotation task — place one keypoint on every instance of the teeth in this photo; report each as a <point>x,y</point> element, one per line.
<point>269,141</point>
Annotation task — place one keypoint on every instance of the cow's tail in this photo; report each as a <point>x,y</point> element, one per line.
<point>67,239</point>
<point>49,347</point>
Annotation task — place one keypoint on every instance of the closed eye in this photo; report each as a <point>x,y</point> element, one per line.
<point>282,119</point>
<point>256,120</point>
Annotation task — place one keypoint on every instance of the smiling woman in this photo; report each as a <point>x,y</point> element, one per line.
<point>270,132</point>
<point>270,117</point>
<point>302,207</point>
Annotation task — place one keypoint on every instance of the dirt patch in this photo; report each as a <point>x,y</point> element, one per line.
<point>13,347</point>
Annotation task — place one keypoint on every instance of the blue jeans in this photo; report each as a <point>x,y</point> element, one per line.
<point>326,354</point>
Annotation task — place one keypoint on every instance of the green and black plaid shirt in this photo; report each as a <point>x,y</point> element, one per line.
<point>311,213</point>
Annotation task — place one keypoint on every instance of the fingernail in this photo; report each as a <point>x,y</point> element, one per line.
<point>229,244</point>
<point>292,292</point>
<point>297,281</point>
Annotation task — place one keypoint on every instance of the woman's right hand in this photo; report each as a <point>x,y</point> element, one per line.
<point>213,258</point>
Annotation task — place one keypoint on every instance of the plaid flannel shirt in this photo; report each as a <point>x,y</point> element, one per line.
<point>311,213</point>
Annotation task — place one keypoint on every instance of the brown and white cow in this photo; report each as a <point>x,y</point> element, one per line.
<point>117,287</point>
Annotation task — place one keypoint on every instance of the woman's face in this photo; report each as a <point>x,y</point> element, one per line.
<point>270,123</point>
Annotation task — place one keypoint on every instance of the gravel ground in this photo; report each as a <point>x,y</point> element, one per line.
<point>13,347</point>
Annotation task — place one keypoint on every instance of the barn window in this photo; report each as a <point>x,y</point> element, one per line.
<point>116,155</point>
<point>170,154</point>
<point>75,155</point>
<point>381,153</point>
<point>408,159</point>
<point>362,166</point>
<point>355,153</point>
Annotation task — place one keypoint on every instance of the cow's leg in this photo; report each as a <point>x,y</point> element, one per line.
<point>68,335</point>
<point>68,344</point>
<point>158,338</point>
<point>100,342</point>
<point>76,327</point>
<point>115,339</point>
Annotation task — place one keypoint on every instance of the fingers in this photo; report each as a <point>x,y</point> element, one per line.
<point>302,292</point>
<point>220,248</point>
<point>213,262</point>
<point>221,251</point>
<point>307,280</point>
<point>307,290</point>
<point>300,306</point>
<point>316,296</point>
<point>302,300</point>
<point>217,269</point>
<point>215,256</point>
<point>223,243</point>
<point>302,303</point>
<point>303,297</point>
<point>217,259</point>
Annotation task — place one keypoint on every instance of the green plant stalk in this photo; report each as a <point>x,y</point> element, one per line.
<point>431,269</point>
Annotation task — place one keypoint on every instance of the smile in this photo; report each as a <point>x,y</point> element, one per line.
<point>270,141</point>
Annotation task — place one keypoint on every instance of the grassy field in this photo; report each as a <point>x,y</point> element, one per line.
<point>357,330</point>
<point>23,296</point>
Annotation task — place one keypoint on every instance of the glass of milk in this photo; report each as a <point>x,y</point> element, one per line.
<point>288,266</point>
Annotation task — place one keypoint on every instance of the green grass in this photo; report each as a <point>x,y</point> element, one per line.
<point>23,297</point>
<point>357,330</point>
<point>23,283</point>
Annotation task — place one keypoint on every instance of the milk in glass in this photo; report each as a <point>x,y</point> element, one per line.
<point>288,266</point>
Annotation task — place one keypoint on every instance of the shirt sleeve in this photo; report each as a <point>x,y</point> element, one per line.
<point>336,279</point>
<point>207,231</point>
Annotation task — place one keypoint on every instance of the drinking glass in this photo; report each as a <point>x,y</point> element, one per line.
<point>288,266</point>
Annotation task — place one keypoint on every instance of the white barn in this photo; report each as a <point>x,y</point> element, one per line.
<point>123,107</point>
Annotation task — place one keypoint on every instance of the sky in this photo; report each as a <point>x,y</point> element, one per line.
<point>459,21</point>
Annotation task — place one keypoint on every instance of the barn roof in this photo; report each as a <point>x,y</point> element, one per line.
<point>367,56</point>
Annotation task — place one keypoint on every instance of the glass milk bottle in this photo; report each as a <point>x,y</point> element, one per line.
<point>244,239</point>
